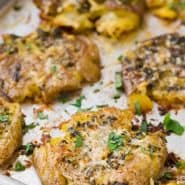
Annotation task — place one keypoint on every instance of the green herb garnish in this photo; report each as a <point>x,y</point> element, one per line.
<point>29,149</point>
<point>29,46</point>
<point>53,69</point>
<point>118,81</point>
<point>96,90</point>
<point>120,58</point>
<point>42,116</point>
<point>115,141</point>
<point>167,176</point>
<point>29,127</point>
<point>143,149</point>
<point>78,102</point>
<point>79,141</point>
<point>177,5</point>
<point>102,106</point>
<point>19,166</point>
<point>180,164</point>
<point>117,95</point>
<point>152,149</point>
<point>86,109</point>
<point>172,125</point>
<point>144,127</point>
<point>138,108</point>
<point>4,118</point>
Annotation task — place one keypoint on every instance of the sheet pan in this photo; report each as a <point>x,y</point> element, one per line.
<point>26,20</point>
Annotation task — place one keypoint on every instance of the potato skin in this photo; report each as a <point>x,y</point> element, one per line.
<point>51,159</point>
<point>46,63</point>
<point>11,138</point>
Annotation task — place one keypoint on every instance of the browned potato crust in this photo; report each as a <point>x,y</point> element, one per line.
<point>156,69</point>
<point>46,63</point>
<point>101,148</point>
<point>11,122</point>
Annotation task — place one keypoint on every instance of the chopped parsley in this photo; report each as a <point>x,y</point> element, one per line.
<point>29,149</point>
<point>117,95</point>
<point>118,86</point>
<point>167,176</point>
<point>42,116</point>
<point>4,118</point>
<point>78,102</point>
<point>86,109</point>
<point>115,141</point>
<point>152,149</point>
<point>172,125</point>
<point>53,69</point>
<point>138,108</point>
<point>180,164</point>
<point>144,127</point>
<point>79,141</point>
<point>143,149</point>
<point>29,46</point>
<point>29,127</point>
<point>102,106</point>
<point>96,90</point>
<point>118,81</point>
<point>19,166</point>
<point>120,58</point>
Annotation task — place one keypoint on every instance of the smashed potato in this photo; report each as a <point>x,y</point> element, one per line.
<point>111,18</point>
<point>11,122</point>
<point>101,148</point>
<point>44,64</point>
<point>156,69</point>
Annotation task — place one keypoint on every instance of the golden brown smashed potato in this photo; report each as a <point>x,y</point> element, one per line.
<point>167,9</point>
<point>156,69</point>
<point>101,148</point>
<point>44,64</point>
<point>11,122</point>
<point>110,17</point>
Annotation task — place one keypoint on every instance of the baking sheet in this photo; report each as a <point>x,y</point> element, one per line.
<point>25,21</point>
